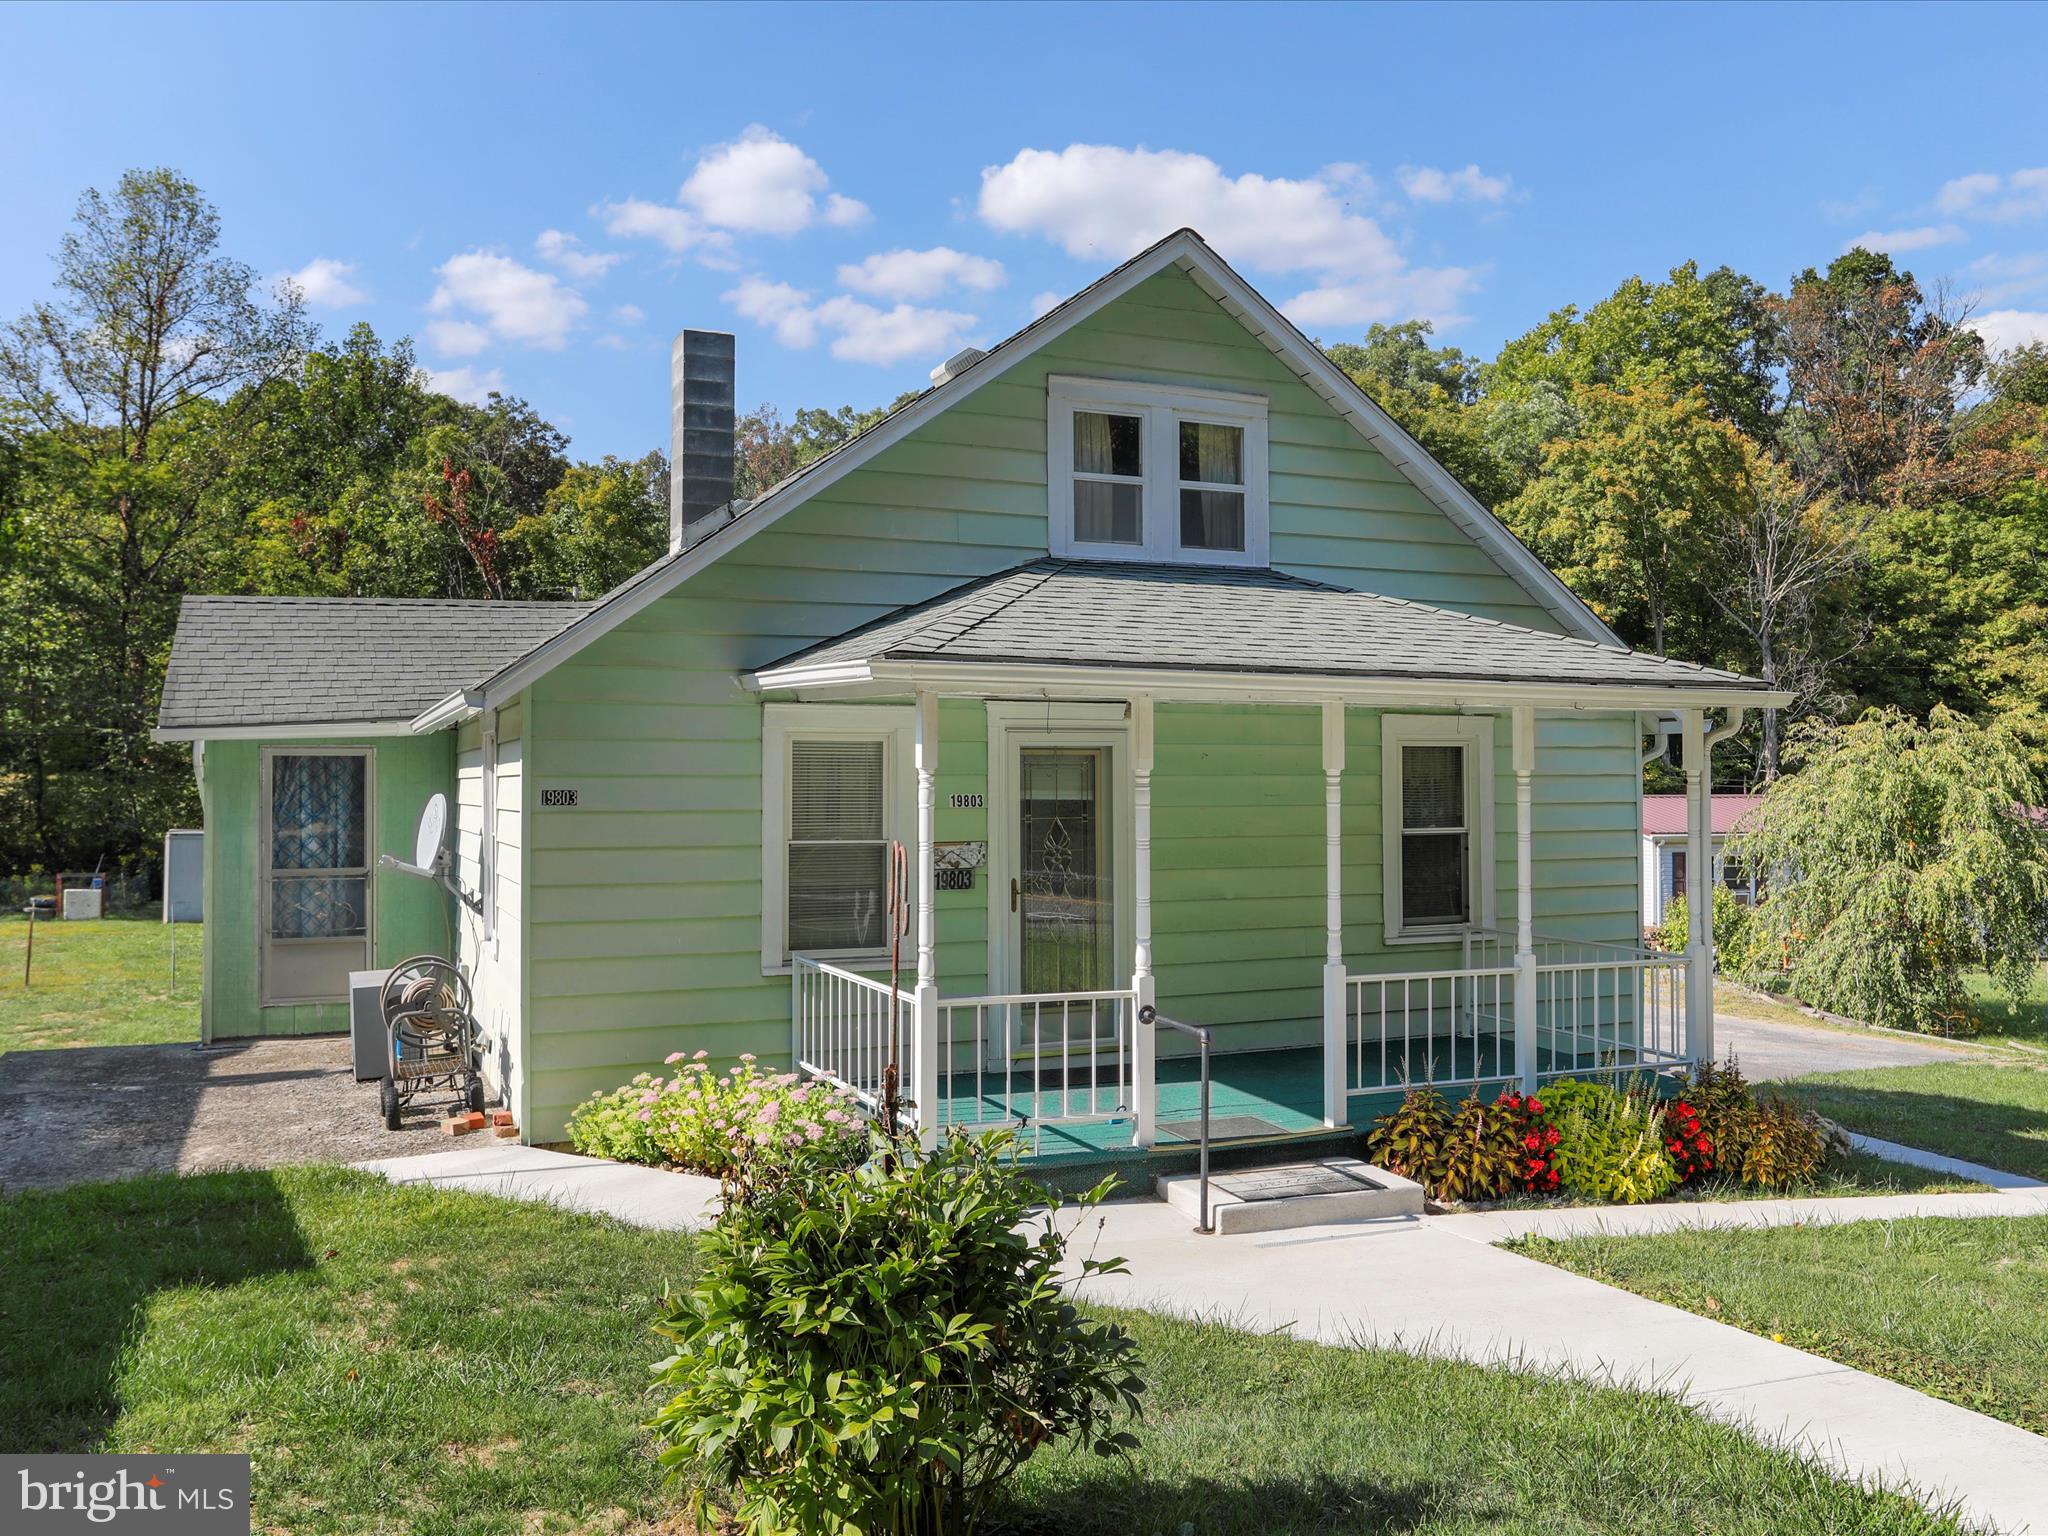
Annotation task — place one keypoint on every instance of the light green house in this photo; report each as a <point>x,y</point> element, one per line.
<point>1189,686</point>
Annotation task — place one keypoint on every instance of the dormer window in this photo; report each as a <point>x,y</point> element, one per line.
<point>1148,472</point>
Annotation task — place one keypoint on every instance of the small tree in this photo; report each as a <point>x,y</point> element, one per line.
<point>1897,858</point>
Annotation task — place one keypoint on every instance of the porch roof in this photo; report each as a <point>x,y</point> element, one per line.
<point>1179,624</point>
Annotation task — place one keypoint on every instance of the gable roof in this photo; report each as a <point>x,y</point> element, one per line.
<point>1178,618</point>
<point>1184,249</point>
<point>1664,815</point>
<point>244,664</point>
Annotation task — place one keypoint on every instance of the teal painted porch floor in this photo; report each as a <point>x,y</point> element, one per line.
<point>1282,1087</point>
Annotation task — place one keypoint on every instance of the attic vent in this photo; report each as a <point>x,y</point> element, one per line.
<point>957,364</point>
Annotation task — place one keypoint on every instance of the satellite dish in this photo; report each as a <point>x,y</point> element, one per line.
<point>426,843</point>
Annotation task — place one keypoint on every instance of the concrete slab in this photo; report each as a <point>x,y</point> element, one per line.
<point>1289,1195</point>
<point>642,1197</point>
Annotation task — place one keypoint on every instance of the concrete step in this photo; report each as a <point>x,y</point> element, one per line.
<point>1285,1195</point>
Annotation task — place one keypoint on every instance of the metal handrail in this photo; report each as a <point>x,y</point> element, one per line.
<point>1203,1038</point>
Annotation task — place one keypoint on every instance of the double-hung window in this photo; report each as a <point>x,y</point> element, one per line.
<point>834,796</point>
<point>1435,773</point>
<point>1146,472</point>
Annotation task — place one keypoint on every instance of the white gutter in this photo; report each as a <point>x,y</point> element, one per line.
<point>302,730</point>
<point>463,704</point>
<point>974,679</point>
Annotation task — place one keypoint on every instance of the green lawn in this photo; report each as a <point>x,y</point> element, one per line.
<point>1954,1307</point>
<point>1990,1112</point>
<point>450,1365</point>
<point>2001,1016</point>
<point>1842,1176</point>
<point>103,983</point>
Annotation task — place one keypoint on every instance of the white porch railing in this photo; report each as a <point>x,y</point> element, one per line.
<point>839,1023</point>
<point>1034,1059</point>
<point>1594,1007</point>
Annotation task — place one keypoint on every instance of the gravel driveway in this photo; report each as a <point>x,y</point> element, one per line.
<point>1770,1050</point>
<point>106,1112</point>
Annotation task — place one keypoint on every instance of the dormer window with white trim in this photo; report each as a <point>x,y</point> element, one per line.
<point>1148,472</point>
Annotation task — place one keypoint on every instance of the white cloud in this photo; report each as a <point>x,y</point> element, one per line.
<point>560,249</point>
<point>760,183</point>
<point>2006,277</point>
<point>921,274</point>
<point>1842,210</point>
<point>860,332</point>
<point>457,338</point>
<point>467,384</point>
<point>1897,242</point>
<point>1101,202</point>
<point>676,229</point>
<point>1043,304</point>
<point>1986,195</point>
<point>629,314</point>
<point>514,301</point>
<point>1427,184</point>
<point>2006,328</point>
<point>325,284</point>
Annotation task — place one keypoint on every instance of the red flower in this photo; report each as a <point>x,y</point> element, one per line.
<point>1535,1106</point>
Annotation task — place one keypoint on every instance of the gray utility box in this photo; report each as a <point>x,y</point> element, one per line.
<point>366,1032</point>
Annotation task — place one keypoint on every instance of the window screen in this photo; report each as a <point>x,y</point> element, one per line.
<point>1435,841</point>
<point>319,855</point>
<point>838,851</point>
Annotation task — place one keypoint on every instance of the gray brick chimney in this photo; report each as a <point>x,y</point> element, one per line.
<point>700,430</point>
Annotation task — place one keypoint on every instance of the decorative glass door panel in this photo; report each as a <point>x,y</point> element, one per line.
<point>1064,900</point>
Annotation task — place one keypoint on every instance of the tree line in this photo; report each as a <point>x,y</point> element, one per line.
<point>1834,487</point>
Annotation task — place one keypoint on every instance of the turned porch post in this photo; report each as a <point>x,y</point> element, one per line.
<point>1336,1097</point>
<point>1524,757</point>
<point>925,1071</point>
<point>1144,1037</point>
<point>1699,889</point>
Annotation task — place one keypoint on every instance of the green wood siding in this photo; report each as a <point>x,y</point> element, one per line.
<point>409,915</point>
<point>644,902</point>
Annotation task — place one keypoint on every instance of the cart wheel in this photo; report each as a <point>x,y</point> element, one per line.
<point>475,1096</point>
<point>387,1100</point>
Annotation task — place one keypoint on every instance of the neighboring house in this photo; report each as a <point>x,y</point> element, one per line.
<point>1665,854</point>
<point>1184,675</point>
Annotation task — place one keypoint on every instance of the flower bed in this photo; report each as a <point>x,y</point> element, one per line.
<point>1619,1143</point>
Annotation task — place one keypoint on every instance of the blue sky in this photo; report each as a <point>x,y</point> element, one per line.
<point>541,196</point>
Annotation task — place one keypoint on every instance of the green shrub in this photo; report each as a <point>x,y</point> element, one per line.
<point>875,1350</point>
<point>1412,1141</point>
<point>1786,1145</point>
<point>1726,1105</point>
<point>613,1124</point>
<point>1731,930</point>
<point>1610,1142</point>
<point>1481,1154</point>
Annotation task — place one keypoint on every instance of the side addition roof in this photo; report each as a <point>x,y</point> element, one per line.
<point>244,665</point>
<point>1086,616</point>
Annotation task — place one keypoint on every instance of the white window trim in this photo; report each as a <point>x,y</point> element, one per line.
<point>1475,733</point>
<point>267,877</point>
<point>1162,408</point>
<point>895,727</point>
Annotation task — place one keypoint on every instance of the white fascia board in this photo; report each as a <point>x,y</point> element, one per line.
<point>829,675</point>
<point>463,704</point>
<point>302,730</point>
<point>1010,681</point>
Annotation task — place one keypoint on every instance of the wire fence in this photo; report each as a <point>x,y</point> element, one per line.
<point>126,890</point>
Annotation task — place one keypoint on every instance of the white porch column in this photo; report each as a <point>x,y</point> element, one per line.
<point>1699,855</point>
<point>925,1070</point>
<point>1524,757</point>
<point>1144,1037</point>
<point>1336,1096</point>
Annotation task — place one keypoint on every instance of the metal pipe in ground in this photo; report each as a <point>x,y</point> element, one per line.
<point>1202,1038</point>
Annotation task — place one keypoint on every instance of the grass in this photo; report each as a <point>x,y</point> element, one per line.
<point>1841,1176</point>
<point>103,983</point>
<point>1957,1308</point>
<point>1990,1112</point>
<point>398,1359</point>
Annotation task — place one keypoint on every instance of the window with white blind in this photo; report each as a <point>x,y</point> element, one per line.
<point>834,796</point>
<point>1148,472</point>
<point>1435,770</point>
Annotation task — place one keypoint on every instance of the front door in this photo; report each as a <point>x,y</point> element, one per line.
<point>1065,908</point>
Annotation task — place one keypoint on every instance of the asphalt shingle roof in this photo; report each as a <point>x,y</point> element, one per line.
<point>1100,613</point>
<point>253,661</point>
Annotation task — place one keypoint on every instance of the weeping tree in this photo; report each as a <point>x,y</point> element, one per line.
<point>1899,857</point>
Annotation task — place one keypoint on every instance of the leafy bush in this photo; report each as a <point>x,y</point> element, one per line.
<point>1726,1107</point>
<point>734,1126</point>
<point>1909,860</point>
<point>1481,1154</point>
<point>1412,1140</point>
<point>1731,930</point>
<point>1786,1145</point>
<point>875,1350</point>
<point>1536,1140</point>
<point>1686,1140</point>
<point>1610,1143</point>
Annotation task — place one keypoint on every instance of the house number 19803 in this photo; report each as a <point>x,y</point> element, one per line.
<point>967,802</point>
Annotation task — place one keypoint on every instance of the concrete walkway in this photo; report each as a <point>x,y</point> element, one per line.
<point>1436,1284</point>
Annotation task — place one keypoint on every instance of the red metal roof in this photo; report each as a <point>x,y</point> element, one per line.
<point>1664,815</point>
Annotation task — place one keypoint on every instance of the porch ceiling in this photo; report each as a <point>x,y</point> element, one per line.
<point>1078,626</point>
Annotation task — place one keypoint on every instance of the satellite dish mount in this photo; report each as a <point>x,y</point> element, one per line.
<point>430,857</point>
